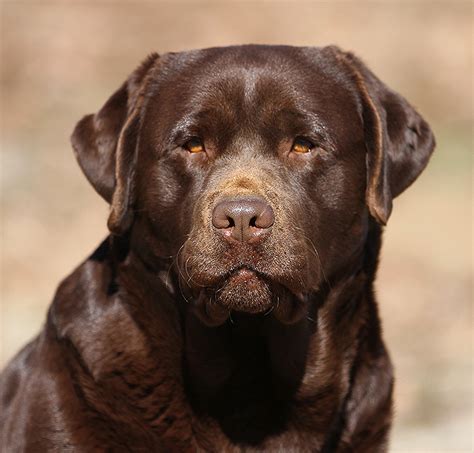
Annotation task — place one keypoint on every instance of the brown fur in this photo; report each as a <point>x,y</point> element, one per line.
<point>170,337</point>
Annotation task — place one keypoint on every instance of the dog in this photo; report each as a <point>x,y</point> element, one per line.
<point>232,306</point>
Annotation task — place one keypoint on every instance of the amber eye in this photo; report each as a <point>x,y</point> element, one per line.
<point>194,145</point>
<point>301,145</point>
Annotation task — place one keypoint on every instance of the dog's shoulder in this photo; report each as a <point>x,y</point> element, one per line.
<point>95,353</point>
<point>97,312</point>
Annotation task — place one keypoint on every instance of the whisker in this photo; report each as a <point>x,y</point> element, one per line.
<point>181,291</point>
<point>315,251</point>
<point>269,310</point>
<point>190,279</point>
<point>180,276</point>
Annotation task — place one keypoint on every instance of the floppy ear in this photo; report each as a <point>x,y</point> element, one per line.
<point>399,141</point>
<point>105,145</point>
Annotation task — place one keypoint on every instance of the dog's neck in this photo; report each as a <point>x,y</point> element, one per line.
<point>246,370</point>
<point>250,371</point>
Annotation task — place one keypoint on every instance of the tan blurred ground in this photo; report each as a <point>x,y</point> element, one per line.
<point>61,60</point>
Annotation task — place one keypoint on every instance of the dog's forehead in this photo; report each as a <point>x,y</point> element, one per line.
<point>243,84</point>
<point>253,71</point>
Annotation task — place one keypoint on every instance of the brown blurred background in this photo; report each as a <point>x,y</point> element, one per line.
<point>60,60</point>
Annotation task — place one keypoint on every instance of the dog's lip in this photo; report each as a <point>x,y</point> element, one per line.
<point>244,273</point>
<point>215,313</point>
<point>246,276</point>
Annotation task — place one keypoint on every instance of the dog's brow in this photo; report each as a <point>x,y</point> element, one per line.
<point>312,123</point>
<point>315,124</point>
<point>184,126</point>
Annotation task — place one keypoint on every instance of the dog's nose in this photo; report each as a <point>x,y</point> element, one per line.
<point>245,219</point>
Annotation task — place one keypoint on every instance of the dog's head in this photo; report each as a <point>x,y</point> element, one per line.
<point>259,167</point>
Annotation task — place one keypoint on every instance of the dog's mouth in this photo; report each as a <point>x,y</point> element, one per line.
<point>246,290</point>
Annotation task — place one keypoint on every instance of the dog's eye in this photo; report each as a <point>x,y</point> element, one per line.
<point>194,145</point>
<point>301,146</point>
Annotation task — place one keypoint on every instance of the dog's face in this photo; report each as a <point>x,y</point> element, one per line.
<point>258,167</point>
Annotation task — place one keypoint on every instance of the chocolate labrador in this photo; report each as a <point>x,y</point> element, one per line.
<point>232,307</point>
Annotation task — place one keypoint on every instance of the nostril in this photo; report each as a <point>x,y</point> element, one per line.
<point>231,222</point>
<point>253,222</point>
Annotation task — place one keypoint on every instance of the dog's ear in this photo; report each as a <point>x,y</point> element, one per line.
<point>105,145</point>
<point>399,141</point>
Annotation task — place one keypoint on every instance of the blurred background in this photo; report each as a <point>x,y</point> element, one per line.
<point>61,60</point>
